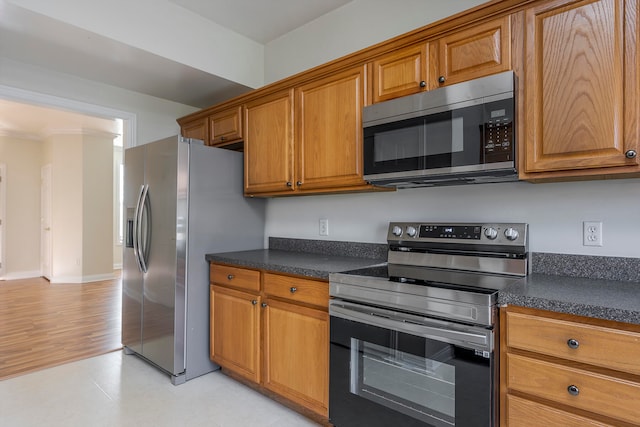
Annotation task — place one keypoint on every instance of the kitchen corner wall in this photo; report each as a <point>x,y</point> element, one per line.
<point>555,211</point>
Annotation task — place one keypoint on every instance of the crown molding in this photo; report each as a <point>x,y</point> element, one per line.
<point>48,132</point>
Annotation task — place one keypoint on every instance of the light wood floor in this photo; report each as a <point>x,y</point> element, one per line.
<point>44,325</point>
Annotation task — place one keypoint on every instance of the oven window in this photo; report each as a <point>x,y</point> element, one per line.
<point>420,387</point>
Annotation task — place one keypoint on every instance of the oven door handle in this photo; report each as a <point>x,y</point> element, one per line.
<point>471,337</point>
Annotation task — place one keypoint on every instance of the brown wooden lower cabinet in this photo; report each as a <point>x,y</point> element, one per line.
<point>564,370</point>
<point>273,330</point>
<point>235,331</point>
<point>296,359</point>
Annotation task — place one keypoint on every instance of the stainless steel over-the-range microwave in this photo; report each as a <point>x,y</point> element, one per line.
<point>458,134</point>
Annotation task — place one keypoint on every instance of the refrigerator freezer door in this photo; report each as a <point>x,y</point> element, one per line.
<point>132,276</point>
<point>159,295</point>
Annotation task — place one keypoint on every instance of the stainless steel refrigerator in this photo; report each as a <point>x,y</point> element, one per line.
<point>182,200</point>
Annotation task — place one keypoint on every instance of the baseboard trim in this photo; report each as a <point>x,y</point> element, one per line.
<point>22,275</point>
<point>82,279</point>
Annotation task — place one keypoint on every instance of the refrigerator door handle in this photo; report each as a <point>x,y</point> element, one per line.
<point>144,240</point>
<point>136,228</point>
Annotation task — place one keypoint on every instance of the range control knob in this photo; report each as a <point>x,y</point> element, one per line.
<point>396,231</point>
<point>511,233</point>
<point>491,233</point>
<point>411,231</point>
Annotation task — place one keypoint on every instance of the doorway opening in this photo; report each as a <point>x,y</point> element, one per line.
<point>125,138</point>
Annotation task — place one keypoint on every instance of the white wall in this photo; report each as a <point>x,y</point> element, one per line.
<point>66,207</point>
<point>555,211</point>
<point>97,207</point>
<point>356,25</point>
<point>22,223</point>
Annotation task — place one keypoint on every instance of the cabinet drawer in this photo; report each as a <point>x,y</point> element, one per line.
<point>597,393</point>
<point>236,277</point>
<point>600,346</point>
<point>525,413</point>
<point>298,290</point>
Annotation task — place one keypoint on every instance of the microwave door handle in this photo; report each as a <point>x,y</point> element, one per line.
<point>136,228</point>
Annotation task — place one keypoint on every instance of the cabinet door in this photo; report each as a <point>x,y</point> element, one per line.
<point>235,331</point>
<point>329,131</point>
<point>296,354</point>
<point>581,94</point>
<point>198,129</point>
<point>402,72</point>
<point>226,126</point>
<point>268,145</point>
<point>474,52</point>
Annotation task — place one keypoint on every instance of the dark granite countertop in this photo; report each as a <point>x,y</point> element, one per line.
<point>312,265</point>
<point>600,298</point>
<point>600,287</point>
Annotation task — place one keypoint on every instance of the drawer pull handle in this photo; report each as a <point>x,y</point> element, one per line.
<point>573,390</point>
<point>230,276</point>
<point>573,343</point>
<point>293,289</point>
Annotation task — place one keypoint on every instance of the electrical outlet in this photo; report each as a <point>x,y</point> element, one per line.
<point>592,233</point>
<point>324,227</point>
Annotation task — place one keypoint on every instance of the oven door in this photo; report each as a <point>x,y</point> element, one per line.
<point>389,368</point>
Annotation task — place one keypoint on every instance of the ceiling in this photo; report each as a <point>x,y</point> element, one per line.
<point>39,40</point>
<point>261,20</point>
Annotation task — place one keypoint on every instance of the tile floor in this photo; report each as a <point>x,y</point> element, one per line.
<point>119,390</point>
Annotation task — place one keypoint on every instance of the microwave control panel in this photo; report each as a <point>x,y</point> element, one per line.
<point>498,135</point>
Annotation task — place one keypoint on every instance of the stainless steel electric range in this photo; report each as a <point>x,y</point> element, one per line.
<point>413,341</point>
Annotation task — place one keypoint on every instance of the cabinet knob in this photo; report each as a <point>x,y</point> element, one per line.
<point>631,154</point>
<point>441,79</point>
<point>289,184</point>
<point>298,183</point>
<point>423,83</point>
<point>573,390</point>
<point>230,276</point>
<point>222,138</point>
<point>264,304</point>
<point>572,343</point>
<point>254,301</point>
<point>293,289</point>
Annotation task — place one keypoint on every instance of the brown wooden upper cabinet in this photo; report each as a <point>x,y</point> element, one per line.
<point>465,54</point>
<point>580,89</point>
<point>226,127</point>
<point>198,129</point>
<point>307,139</point>
<point>399,73</point>
<point>268,147</point>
